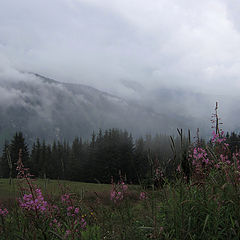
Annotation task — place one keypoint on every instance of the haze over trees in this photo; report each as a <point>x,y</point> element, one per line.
<point>107,154</point>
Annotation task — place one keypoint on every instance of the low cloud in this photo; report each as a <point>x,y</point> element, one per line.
<point>179,45</point>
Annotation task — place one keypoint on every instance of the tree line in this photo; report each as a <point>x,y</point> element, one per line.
<point>107,154</point>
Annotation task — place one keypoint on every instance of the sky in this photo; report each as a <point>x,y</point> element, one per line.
<point>114,44</point>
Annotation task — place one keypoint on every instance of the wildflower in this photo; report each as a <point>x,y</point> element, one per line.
<point>200,159</point>
<point>67,233</point>
<point>124,187</point>
<point>116,196</point>
<point>118,191</point>
<point>83,223</point>
<point>143,196</point>
<point>65,198</point>
<point>112,194</point>
<point>3,212</point>
<point>69,208</point>
<point>55,223</point>
<point>28,202</point>
<point>76,210</point>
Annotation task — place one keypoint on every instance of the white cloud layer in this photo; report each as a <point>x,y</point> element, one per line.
<point>194,45</point>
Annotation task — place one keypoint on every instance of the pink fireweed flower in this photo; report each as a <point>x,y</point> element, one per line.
<point>179,168</point>
<point>83,223</point>
<point>70,211</point>
<point>3,212</point>
<point>124,187</point>
<point>65,198</point>
<point>217,166</point>
<point>67,233</point>
<point>119,196</point>
<point>76,211</point>
<point>116,196</point>
<point>224,159</point>
<point>112,194</point>
<point>200,160</point>
<point>158,174</point>
<point>69,208</point>
<point>143,196</point>
<point>218,138</point>
<point>28,202</point>
<point>118,191</point>
<point>55,224</point>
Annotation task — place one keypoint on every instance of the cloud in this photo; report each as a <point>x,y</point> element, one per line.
<point>187,45</point>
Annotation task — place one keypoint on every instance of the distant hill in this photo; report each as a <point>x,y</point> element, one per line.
<point>48,109</point>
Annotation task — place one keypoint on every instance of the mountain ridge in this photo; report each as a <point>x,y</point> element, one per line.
<point>43,107</point>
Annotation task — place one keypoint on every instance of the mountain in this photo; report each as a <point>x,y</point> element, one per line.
<point>45,108</point>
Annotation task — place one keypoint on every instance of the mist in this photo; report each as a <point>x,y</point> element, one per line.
<point>175,58</point>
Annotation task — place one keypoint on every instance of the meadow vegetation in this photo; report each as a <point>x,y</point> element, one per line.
<point>199,200</point>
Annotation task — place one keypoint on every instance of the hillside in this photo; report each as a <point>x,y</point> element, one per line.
<point>46,108</point>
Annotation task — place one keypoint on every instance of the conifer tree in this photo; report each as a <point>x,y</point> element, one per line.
<point>6,164</point>
<point>35,158</point>
<point>17,143</point>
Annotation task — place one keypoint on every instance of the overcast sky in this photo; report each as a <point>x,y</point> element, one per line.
<point>172,43</point>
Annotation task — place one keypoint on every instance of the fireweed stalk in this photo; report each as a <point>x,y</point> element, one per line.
<point>33,201</point>
<point>76,220</point>
<point>143,196</point>
<point>215,156</point>
<point>3,214</point>
<point>66,219</point>
<point>118,191</point>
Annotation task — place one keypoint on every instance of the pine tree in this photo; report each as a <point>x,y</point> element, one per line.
<point>17,143</point>
<point>6,164</point>
<point>35,158</point>
<point>141,165</point>
<point>234,142</point>
<point>53,163</point>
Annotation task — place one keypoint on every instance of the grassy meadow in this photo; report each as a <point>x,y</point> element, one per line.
<point>8,192</point>
<point>202,209</point>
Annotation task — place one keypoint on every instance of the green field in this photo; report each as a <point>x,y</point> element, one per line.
<point>178,210</point>
<point>52,187</point>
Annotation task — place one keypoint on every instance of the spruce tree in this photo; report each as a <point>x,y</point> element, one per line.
<point>35,158</point>
<point>6,164</point>
<point>17,143</point>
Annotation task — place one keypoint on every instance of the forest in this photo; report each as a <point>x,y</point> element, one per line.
<point>107,155</point>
